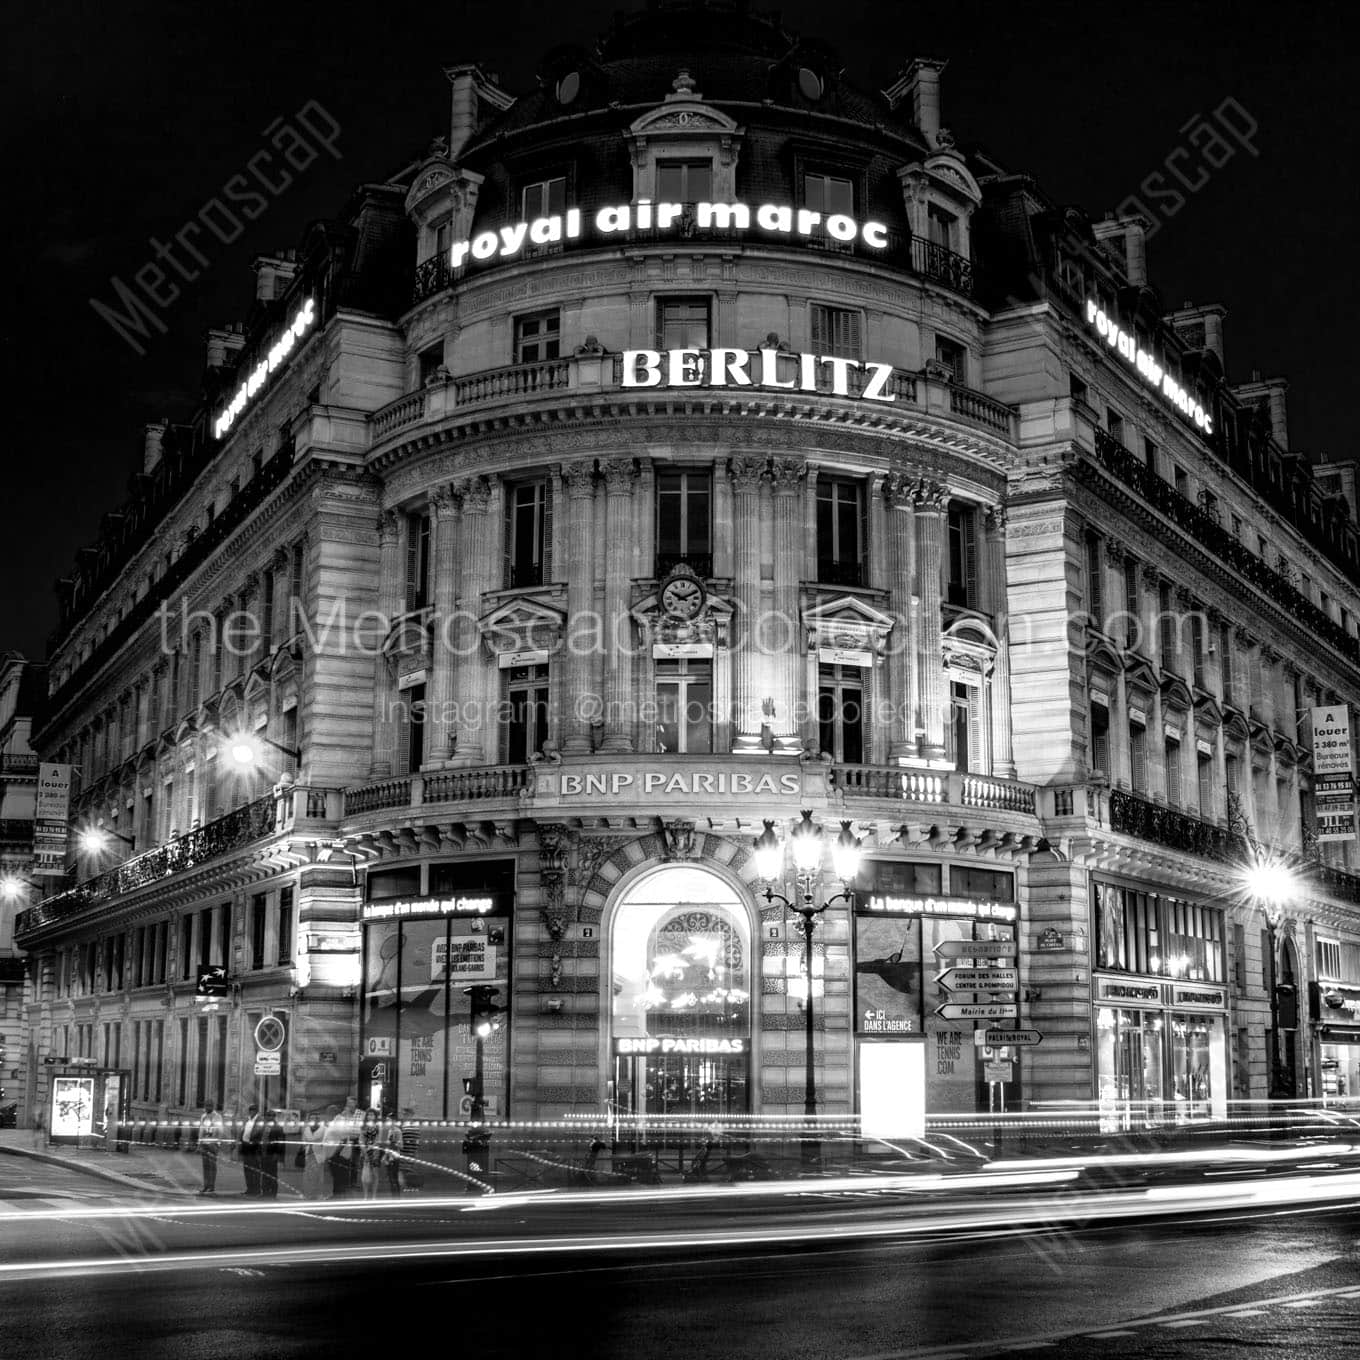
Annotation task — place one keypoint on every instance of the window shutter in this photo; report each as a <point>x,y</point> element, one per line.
<point>970,557</point>
<point>508,536</point>
<point>547,530</point>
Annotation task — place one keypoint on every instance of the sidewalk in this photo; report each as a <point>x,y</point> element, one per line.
<point>145,1167</point>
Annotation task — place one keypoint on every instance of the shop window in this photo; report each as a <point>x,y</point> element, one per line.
<point>394,883</point>
<point>285,954</point>
<point>259,915</point>
<point>840,529</point>
<point>527,516</point>
<point>897,878</point>
<point>684,181</point>
<point>684,707</point>
<point>538,336</point>
<point>417,561</point>
<point>951,355</point>
<point>544,198</point>
<point>684,503</point>
<point>989,884</point>
<point>682,323</point>
<point>840,713</point>
<point>1329,959</point>
<point>836,331</point>
<point>526,728</point>
<point>961,563</point>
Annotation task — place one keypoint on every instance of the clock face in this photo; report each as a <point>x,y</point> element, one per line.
<point>682,598</point>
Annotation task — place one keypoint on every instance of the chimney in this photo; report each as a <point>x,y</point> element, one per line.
<point>155,434</point>
<point>273,274</point>
<point>1201,327</point>
<point>920,83</point>
<point>472,89</point>
<point>223,343</point>
<point>1129,237</point>
<point>1270,391</point>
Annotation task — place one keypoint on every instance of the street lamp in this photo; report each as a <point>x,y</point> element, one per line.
<point>1272,884</point>
<point>94,840</point>
<point>807,843</point>
<point>244,749</point>
<point>12,886</point>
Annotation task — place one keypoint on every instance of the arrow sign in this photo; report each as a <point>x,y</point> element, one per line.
<point>957,1010</point>
<point>975,949</point>
<point>980,979</point>
<point>1021,1038</point>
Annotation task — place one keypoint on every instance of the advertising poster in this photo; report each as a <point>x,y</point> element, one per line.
<point>51,817</point>
<point>887,975</point>
<point>1334,772</point>
<point>72,1107</point>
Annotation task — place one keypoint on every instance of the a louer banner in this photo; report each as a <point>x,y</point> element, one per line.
<point>1334,773</point>
<point>51,819</point>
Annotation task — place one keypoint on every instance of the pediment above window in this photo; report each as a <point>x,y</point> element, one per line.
<point>522,625</point>
<point>1100,656</point>
<point>683,127</point>
<point>1235,724</point>
<point>1207,710</point>
<point>1176,694</point>
<point>847,623</point>
<point>1138,674</point>
<point>409,638</point>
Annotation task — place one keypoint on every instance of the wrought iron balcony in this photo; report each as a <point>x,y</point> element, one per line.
<point>1134,816</point>
<point>1114,458</point>
<point>942,265</point>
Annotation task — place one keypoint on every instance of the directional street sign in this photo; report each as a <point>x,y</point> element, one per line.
<point>976,949</point>
<point>979,979</point>
<point>997,1010</point>
<point>1021,1038</point>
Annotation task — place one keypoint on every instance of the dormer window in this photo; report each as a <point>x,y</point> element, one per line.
<point>544,198</point>
<point>684,181</point>
<point>942,227</point>
<point>828,195</point>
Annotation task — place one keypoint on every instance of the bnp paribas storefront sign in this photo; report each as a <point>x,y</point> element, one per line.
<point>651,782</point>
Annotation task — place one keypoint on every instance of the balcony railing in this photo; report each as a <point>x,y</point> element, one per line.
<point>405,411</point>
<point>1134,816</point>
<point>515,380</point>
<point>942,265</point>
<point>477,783</point>
<point>952,787</point>
<point>266,816</point>
<point>963,401</point>
<point>701,564</point>
<point>1162,496</point>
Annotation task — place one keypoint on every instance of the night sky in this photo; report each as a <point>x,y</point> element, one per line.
<point>122,120</point>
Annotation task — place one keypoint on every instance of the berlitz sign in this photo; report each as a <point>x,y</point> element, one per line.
<point>768,368</point>
<point>774,219</point>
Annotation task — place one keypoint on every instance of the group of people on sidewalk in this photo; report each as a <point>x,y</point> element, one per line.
<point>345,1149</point>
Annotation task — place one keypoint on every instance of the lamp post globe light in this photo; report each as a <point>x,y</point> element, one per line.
<point>96,840</point>
<point>1272,884</point>
<point>245,751</point>
<point>808,846</point>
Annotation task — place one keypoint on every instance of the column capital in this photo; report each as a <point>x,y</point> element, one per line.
<point>620,476</point>
<point>930,497</point>
<point>748,472</point>
<point>580,479</point>
<point>474,494</point>
<point>994,519</point>
<point>443,501</point>
<point>787,475</point>
<point>278,558</point>
<point>1243,638</point>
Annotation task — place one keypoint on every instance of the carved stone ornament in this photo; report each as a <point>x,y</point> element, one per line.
<point>787,475</point>
<point>748,473</point>
<point>580,479</point>
<point>930,496</point>
<point>680,840</point>
<point>474,494</point>
<point>620,476</point>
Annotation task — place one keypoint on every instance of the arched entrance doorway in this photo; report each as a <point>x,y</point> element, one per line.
<point>680,989</point>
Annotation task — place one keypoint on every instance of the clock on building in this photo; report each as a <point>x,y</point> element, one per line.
<point>682,594</point>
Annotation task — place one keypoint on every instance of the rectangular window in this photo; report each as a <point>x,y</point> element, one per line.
<point>1133,617</point>
<point>220,1074</point>
<point>682,323</point>
<point>684,181</point>
<point>836,331</point>
<point>829,195</point>
<point>285,925</point>
<point>157,1059</point>
<point>1150,455</point>
<point>431,360</point>
<point>1076,388</point>
<point>259,906</point>
<point>538,336</point>
<point>544,198</point>
<point>186,946</point>
<point>526,533</point>
<point>961,565</point>
<point>1114,423</point>
<point>182,1095</point>
<point>1173,771</point>
<point>942,227</point>
<point>840,516</point>
<point>411,731</point>
<point>840,713</point>
<point>224,935</point>
<point>989,884</point>
<point>951,355</point>
<point>205,937</point>
<point>201,1063</point>
<point>684,509</point>
<point>1204,776</point>
<point>527,702</point>
<point>1329,959</point>
<point>684,707</point>
<point>1225,668</point>
<point>1095,589</point>
<point>417,561</point>
<point>1167,627</point>
<point>1137,757</point>
<point>1198,646</point>
<point>1182,481</point>
<point>1100,738</point>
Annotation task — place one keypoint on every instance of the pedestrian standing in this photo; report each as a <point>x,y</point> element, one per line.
<point>314,1164</point>
<point>370,1152</point>
<point>271,1154</point>
<point>392,1141</point>
<point>209,1142</point>
<point>335,1149</point>
<point>252,1135</point>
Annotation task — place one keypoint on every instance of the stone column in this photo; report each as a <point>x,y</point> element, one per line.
<point>477,735</point>
<point>389,605</point>
<point>441,732</point>
<point>747,476</point>
<point>994,546</point>
<point>620,479</point>
<point>931,498</point>
<point>785,634</point>
<point>282,629</point>
<point>580,481</point>
<point>898,504</point>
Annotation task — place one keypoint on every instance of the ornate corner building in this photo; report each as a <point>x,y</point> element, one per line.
<point>693,440</point>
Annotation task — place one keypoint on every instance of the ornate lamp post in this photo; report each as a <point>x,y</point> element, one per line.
<point>807,843</point>
<point>1272,886</point>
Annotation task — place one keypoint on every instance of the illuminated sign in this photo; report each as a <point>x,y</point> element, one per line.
<point>429,906</point>
<point>880,1022</point>
<point>1108,990</point>
<point>1198,996</point>
<point>776,219</point>
<point>72,1107</point>
<point>684,782</point>
<point>302,322</point>
<point>937,906</point>
<point>1152,373</point>
<point>769,368</point>
<point>653,1043</point>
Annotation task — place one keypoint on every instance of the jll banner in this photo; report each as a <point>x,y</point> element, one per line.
<point>1333,773</point>
<point>51,819</point>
